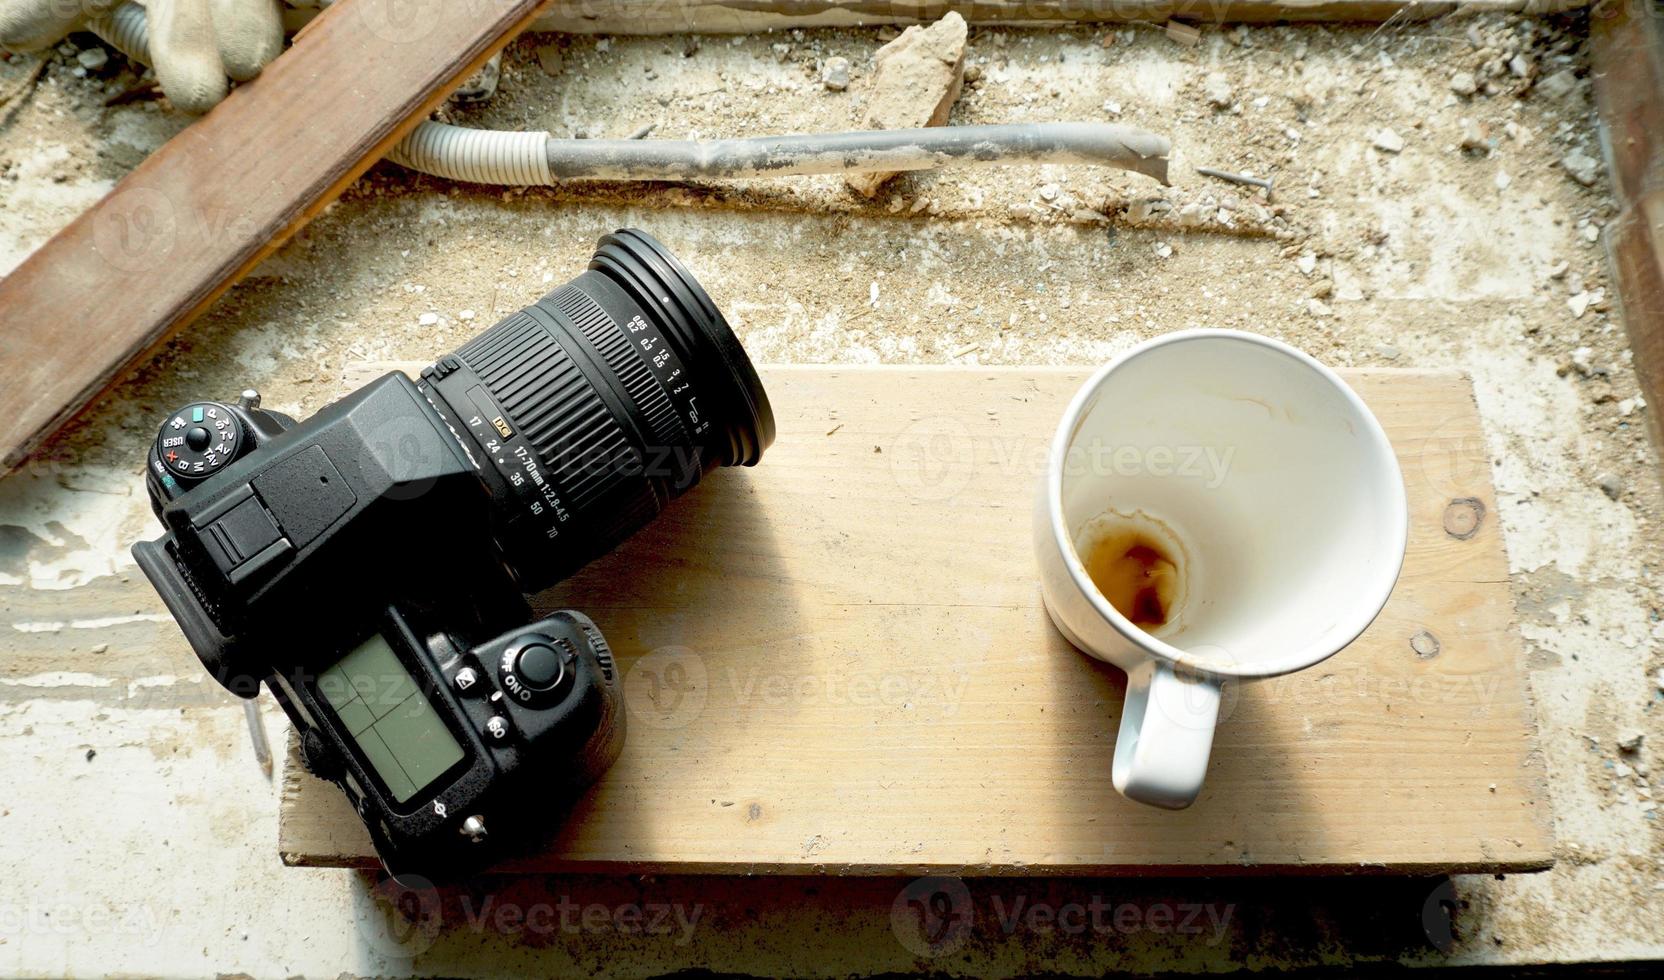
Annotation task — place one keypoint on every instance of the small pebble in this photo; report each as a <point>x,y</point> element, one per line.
<point>1462,83</point>
<point>1612,485</point>
<point>92,59</point>
<point>465,315</point>
<point>428,319</point>
<point>1217,88</point>
<point>1558,85</point>
<point>1473,137</point>
<point>1582,167</point>
<point>834,74</point>
<point>1388,141</point>
<point>1631,742</point>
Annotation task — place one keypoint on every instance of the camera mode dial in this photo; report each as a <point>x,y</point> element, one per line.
<point>198,441</point>
<point>537,669</point>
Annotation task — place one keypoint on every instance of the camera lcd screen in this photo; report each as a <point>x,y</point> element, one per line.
<point>394,724</point>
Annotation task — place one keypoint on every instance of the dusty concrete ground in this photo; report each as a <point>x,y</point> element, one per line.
<point>137,835</point>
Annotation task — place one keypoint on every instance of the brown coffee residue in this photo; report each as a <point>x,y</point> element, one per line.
<point>1136,573</point>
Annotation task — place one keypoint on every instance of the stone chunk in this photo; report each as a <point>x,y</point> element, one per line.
<point>916,79</point>
<point>834,74</point>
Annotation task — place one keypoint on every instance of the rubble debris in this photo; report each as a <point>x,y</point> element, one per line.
<point>916,79</point>
<point>550,59</point>
<point>834,74</point>
<point>1612,485</point>
<point>1630,743</point>
<point>1558,85</point>
<point>1185,34</point>
<point>92,59</point>
<point>1217,88</point>
<point>1462,83</point>
<point>1388,141</point>
<point>1195,214</point>
<point>1582,167</point>
<point>482,84</point>
<point>1474,139</point>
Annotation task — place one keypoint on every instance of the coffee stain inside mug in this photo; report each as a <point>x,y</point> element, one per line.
<point>1137,564</point>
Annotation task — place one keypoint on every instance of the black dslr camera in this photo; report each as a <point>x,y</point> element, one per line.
<point>370,564</point>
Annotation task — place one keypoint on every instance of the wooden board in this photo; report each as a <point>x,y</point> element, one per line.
<point>1627,67</point>
<point>838,662</point>
<point>744,16</point>
<point>199,213</point>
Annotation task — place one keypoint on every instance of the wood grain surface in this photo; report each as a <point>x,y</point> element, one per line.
<point>196,215</point>
<point>838,662</point>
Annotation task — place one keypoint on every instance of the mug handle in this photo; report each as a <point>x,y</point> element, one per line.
<point>1161,753</point>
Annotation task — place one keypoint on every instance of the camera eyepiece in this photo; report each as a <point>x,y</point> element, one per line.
<point>590,410</point>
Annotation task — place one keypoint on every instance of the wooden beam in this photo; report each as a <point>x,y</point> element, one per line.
<point>747,16</point>
<point>1627,67</point>
<point>104,293</point>
<point>838,662</point>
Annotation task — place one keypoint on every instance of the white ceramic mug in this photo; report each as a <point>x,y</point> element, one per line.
<point>1276,493</point>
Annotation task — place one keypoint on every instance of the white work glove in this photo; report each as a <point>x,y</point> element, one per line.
<point>194,44</point>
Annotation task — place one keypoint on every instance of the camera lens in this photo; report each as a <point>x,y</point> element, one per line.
<point>590,410</point>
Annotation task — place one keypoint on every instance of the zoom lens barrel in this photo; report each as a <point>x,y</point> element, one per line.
<point>590,410</point>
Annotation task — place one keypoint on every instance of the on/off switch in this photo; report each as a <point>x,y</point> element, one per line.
<point>539,666</point>
<point>535,668</point>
